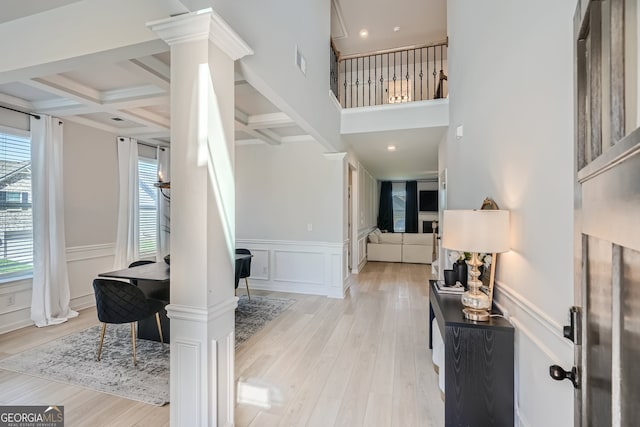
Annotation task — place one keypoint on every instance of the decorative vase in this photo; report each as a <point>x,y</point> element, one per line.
<point>460,268</point>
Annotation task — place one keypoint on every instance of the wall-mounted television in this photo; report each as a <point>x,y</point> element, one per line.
<point>428,201</point>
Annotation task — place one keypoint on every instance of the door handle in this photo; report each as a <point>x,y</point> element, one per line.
<point>559,374</point>
<point>572,331</point>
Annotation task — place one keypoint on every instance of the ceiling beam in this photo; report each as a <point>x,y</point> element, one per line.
<point>151,69</point>
<point>271,120</point>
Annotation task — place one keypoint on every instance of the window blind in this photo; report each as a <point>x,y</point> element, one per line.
<point>16,214</point>
<point>148,205</point>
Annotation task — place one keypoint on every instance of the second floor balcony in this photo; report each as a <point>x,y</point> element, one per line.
<point>391,76</point>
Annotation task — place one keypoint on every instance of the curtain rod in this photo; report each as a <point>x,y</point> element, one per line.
<point>146,144</point>
<point>23,112</point>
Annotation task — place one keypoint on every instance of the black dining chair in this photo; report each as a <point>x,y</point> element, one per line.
<point>245,269</point>
<point>121,302</point>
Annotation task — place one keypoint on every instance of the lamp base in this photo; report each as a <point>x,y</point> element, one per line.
<point>477,315</point>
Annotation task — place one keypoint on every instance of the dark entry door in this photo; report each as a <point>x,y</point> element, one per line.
<point>607,203</point>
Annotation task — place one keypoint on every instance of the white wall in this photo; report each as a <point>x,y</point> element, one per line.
<point>281,190</point>
<point>90,196</point>
<point>273,29</point>
<point>518,148</point>
<point>289,213</point>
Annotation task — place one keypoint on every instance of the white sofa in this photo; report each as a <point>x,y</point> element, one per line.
<point>400,247</point>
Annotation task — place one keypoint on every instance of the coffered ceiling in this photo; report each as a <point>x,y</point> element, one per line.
<point>131,97</point>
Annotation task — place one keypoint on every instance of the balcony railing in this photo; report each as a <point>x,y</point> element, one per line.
<point>388,77</point>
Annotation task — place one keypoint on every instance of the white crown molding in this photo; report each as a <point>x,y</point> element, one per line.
<point>343,27</point>
<point>227,39</point>
<point>335,156</point>
<point>182,28</point>
<point>200,25</point>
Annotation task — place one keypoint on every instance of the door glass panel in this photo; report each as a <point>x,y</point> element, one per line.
<point>630,337</point>
<point>605,68</point>
<point>631,65</point>
<point>599,332</point>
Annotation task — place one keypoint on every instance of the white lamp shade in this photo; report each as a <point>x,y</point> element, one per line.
<point>485,231</point>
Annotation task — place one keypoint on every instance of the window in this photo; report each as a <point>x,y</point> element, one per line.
<point>147,206</point>
<point>16,215</point>
<point>399,196</point>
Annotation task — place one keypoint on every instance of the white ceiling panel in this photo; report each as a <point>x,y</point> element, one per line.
<point>415,156</point>
<point>420,22</point>
<point>108,119</point>
<point>15,9</point>
<point>289,131</point>
<point>104,78</point>
<point>26,92</point>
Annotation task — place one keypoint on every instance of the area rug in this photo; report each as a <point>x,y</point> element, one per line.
<point>72,359</point>
<point>251,316</point>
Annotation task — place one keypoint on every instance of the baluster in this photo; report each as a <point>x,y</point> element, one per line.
<point>357,83</point>
<point>352,84</point>
<point>442,71</point>
<point>345,85</point>
<point>421,75</point>
<point>388,79</point>
<point>414,75</point>
<point>394,77</point>
<point>407,77</point>
<point>381,79</point>
<point>426,75</point>
<point>370,81</point>
<point>435,87</point>
<point>400,78</point>
<point>375,79</point>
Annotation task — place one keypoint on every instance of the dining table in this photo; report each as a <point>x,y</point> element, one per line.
<point>156,272</point>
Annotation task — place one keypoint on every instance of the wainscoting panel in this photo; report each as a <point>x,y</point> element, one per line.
<point>362,247</point>
<point>84,263</point>
<point>538,344</point>
<point>317,268</point>
<point>299,267</point>
<point>187,363</point>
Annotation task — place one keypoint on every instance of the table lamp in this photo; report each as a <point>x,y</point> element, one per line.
<point>476,231</point>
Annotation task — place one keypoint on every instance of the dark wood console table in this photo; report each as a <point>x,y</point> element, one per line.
<point>478,364</point>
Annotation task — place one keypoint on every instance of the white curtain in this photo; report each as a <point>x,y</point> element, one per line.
<point>51,296</point>
<point>127,249</point>
<point>164,211</point>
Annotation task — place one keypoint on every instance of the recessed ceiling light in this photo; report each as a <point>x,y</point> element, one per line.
<point>364,33</point>
<point>391,148</point>
<point>396,29</point>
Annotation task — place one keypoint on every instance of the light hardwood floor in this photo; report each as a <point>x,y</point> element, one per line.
<point>361,361</point>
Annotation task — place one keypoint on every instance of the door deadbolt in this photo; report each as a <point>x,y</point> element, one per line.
<point>559,374</point>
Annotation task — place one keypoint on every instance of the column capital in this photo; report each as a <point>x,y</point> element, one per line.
<point>201,25</point>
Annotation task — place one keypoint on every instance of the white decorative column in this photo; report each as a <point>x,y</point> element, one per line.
<point>203,51</point>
